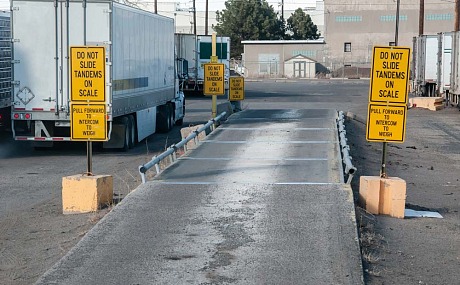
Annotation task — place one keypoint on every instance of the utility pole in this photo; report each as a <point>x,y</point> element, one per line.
<point>398,2</point>
<point>206,19</point>
<point>457,16</point>
<point>194,18</point>
<point>421,17</point>
<point>156,6</point>
<point>383,172</point>
<point>282,10</point>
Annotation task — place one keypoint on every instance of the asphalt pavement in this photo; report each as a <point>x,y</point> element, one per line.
<point>260,201</point>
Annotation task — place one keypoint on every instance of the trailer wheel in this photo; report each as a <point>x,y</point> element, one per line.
<point>180,122</point>
<point>171,116</point>
<point>164,119</point>
<point>132,131</point>
<point>126,139</point>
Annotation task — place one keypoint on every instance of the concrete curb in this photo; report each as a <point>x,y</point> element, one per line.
<point>355,117</point>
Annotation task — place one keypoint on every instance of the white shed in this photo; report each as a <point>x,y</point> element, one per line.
<point>300,66</point>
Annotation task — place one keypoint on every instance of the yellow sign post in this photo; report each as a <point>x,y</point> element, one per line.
<point>386,116</point>
<point>390,75</point>
<point>87,73</point>
<point>386,123</point>
<point>214,83</point>
<point>88,122</point>
<point>236,92</point>
<point>388,94</point>
<point>214,59</point>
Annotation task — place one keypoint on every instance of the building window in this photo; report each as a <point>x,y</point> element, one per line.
<point>268,63</point>
<point>392,18</point>
<point>439,17</point>
<point>307,53</point>
<point>347,47</point>
<point>342,19</point>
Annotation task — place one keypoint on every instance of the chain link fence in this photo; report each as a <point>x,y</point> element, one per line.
<point>301,69</point>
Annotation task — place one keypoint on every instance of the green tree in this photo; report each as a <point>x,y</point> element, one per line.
<point>248,20</point>
<point>301,27</point>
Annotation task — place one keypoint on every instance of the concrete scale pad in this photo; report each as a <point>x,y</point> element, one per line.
<point>260,201</point>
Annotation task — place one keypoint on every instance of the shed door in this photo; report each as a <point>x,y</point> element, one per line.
<point>300,69</point>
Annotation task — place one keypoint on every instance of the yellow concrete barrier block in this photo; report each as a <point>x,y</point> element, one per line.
<point>83,194</point>
<point>386,196</point>
<point>394,193</point>
<point>369,193</point>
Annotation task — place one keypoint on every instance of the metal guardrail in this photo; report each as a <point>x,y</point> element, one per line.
<point>346,158</point>
<point>171,151</point>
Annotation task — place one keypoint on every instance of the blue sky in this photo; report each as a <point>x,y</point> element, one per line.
<point>213,4</point>
<point>4,5</point>
<point>219,4</point>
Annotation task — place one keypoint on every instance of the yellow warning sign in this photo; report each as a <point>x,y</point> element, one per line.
<point>87,74</point>
<point>88,122</point>
<point>214,83</point>
<point>386,123</point>
<point>390,75</point>
<point>236,92</point>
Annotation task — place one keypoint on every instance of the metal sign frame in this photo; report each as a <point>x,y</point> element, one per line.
<point>390,75</point>
<point>236,93</point>
<point>97,134</point>
<point>87,73</point>
<point>214,78</point>
<point>386,123</point>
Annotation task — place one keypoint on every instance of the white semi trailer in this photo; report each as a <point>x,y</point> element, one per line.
<point>425,62</point>
<point>193,51</point>
<point>142,94</point>
<point>453,95</point>
<point>5,69</point>
<point>431,65</point>
<point>444,63</point>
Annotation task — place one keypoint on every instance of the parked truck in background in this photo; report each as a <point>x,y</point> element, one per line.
<point>444,63</point>
<point>425,62</point>
<point>432,64</point>
<point>5,69</point>
<point>142,94</point>
<point>195,50</point>
<point>453,96</point>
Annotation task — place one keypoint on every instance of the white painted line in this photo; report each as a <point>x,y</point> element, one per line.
<point>277,119</point>
<point>274,129</point>
<point>270,142</point>
<point>253,158</point>
<point>307,183</point>
<point>239,182</point>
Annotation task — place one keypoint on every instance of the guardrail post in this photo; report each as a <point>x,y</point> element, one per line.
<point>346,158</point>
<point>174,155</point>
<point>171,151</point>
<point>142,174</point>
<point>197,139</point>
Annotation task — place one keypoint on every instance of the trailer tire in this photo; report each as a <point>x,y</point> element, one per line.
<point>132,131</point>
<point>126,137</point>
<point>171,115</point>
<point>164,119</point>
<point>180,121</point>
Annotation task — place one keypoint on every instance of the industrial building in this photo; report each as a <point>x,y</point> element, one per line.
<point>351,28</point>
<point>287,58</point>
